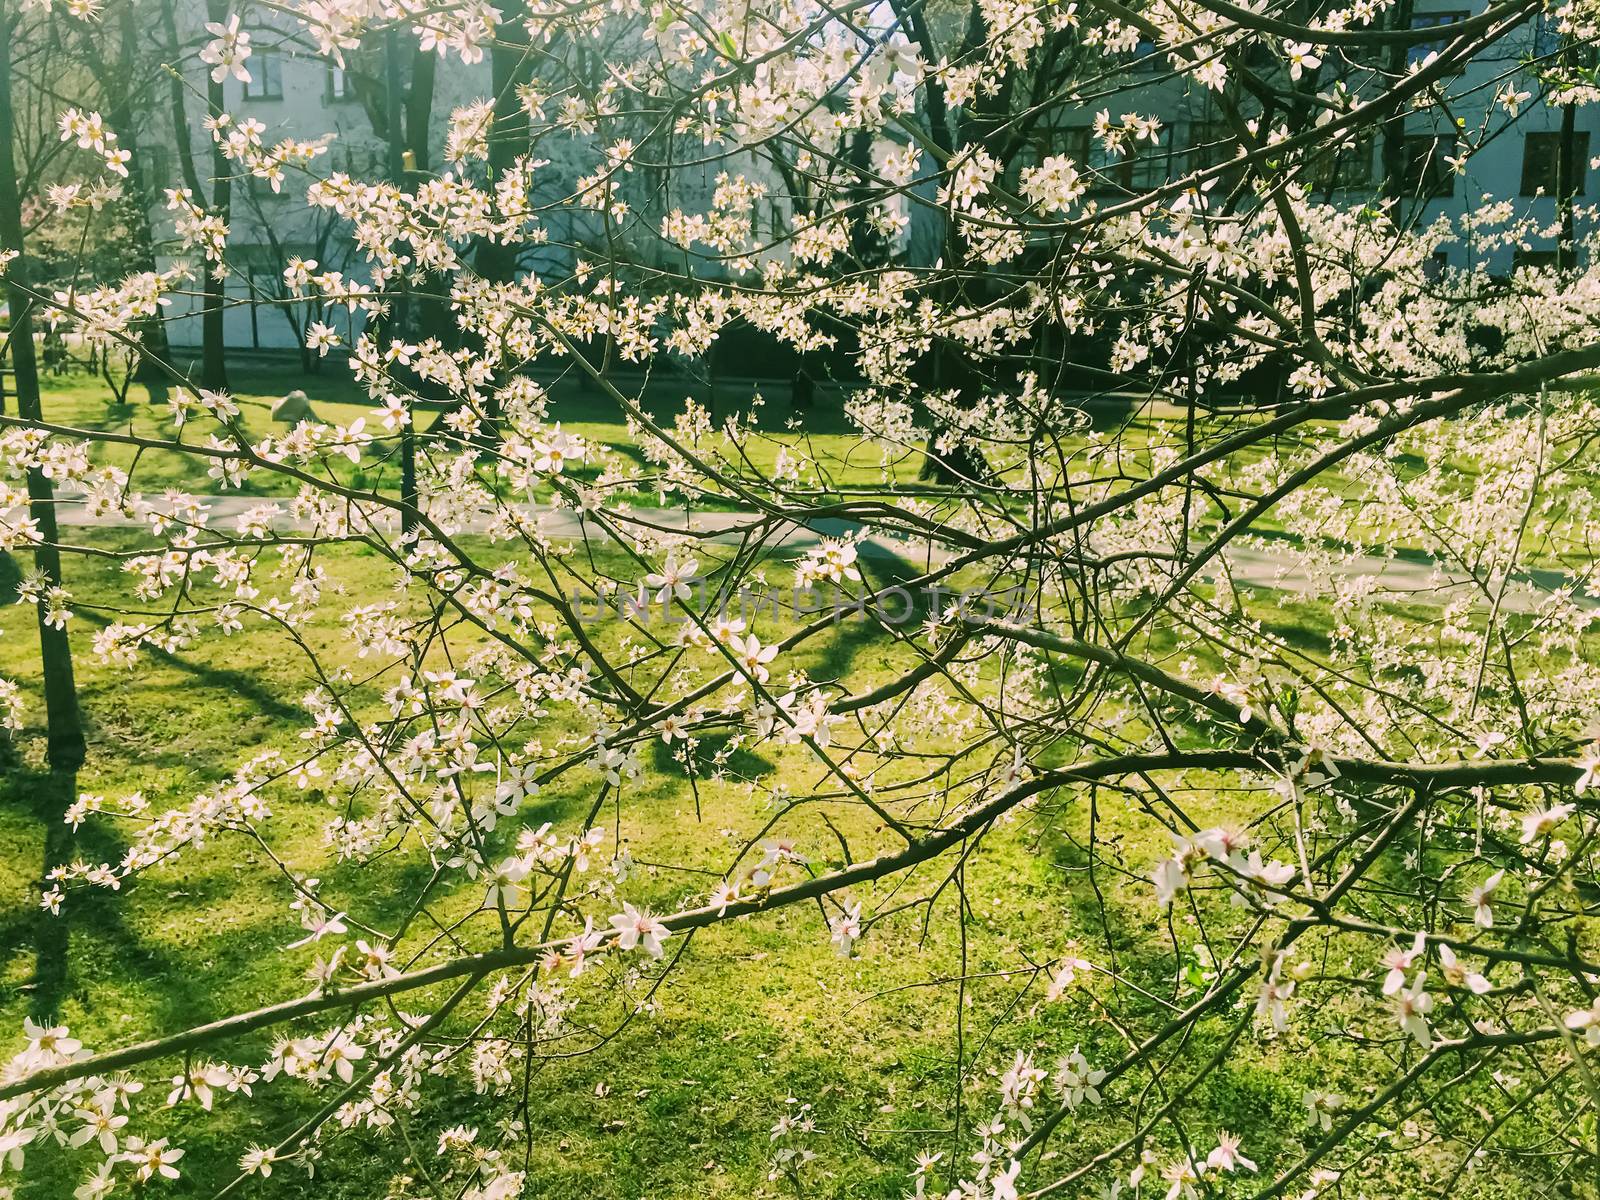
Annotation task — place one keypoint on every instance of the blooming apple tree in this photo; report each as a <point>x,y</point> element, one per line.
<point>1303,689</point>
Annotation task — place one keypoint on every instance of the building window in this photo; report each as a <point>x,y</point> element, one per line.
<point>360,161</point>
<point>1541,164</point>
<point>339,86</point>
<point>1074,142</point>
<point>1540,260</point>
<point>1441,21</point>
<point>1426,175</point>
<point>266,282</point>
<point>1346,165</point>
<point>261,190</point>
<point>266,76</point>
<point>1077,143</point>
<point>1211,144</point>
<point>1146,165</point>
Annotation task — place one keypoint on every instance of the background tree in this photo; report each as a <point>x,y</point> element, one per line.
<point>65,747</point>
<point>217,198</point>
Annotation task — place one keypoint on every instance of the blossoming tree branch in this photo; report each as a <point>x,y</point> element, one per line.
<point>1050,606</point>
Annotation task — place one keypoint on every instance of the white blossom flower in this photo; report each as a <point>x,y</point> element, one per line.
<point>1300,58</point>
<point>1543,823</point>
<point>1322,1106</point>
<point>154,1159</point>
<point>1478,900</point>
<point>1587,1022</point>
<point>845,928</point>
<point>1076,1081</point>
<point>228,49</point>
<point>639,928</point>
<point>1412,1006</point>
<point>1457,975</point>
<point>752,656</point>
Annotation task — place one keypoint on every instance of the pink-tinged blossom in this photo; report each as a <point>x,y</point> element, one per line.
<point>1457,974</point>
<point>1227,1156</point>
<point>1478,900</point>
<point>1411,1007</point>
<point>845,928</point>
<point>1397,963</point>
<point>637,927</point>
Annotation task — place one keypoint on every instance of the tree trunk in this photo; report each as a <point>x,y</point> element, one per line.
<point>950,366</point>
<point>510,67</point>
<point>213,367</point>
<point>400,312</point>
<point>64,741</point>
<point>508,136</point>
<point>1568,172</point>
<point>152,334</point>
<point>419,107</point>
<point>1392,149</point>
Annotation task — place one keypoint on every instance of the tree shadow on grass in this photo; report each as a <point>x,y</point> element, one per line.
<point>857,633</point>
<point>242,684</point>
<point>1299,634</point>
<point>741,761</point>
<point>92,930</point>
<point>90,947</point>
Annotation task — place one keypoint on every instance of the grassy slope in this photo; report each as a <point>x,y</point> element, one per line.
<point>851,467</point>
<point>759,1013</point>
<point>80,401</point>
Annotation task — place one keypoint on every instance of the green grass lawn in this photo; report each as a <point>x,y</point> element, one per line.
<point>760,1013</point>
<point>81,401</point>
<point>848,468</point>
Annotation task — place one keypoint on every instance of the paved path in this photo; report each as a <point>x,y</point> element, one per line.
<point>1249,566</point>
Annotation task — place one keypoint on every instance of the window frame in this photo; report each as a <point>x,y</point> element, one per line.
<point>1210,144</point>
<point>344,93</point>
<point>1552,137</point>
<point>266,73</point>
<point>1443,146</point>
<point>1442,20</point>
<point>1347,166</point>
